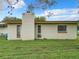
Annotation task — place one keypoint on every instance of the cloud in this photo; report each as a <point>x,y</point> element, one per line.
<point>19,4</point>
<point>62,11</point>
<point>62,14</point>
<point>64,17</point>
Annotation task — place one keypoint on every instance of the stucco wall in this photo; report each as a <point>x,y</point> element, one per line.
<point>12,32</point>
<point>3,30</point>
<point>50,31</point>
<point>27,27</point>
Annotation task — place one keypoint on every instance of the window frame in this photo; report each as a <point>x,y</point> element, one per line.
<point>18,31</point>
<point>39,28</point>
<point>77,28</point>
<point>63,29</point>
<point>39,31</point>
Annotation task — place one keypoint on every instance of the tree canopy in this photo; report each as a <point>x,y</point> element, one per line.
<point>32,5</point>
<point>6,19</point>
<point>37,19</point>
<point>40,19</point>
<point>43,4</point>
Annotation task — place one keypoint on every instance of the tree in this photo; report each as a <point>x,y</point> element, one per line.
<point>7,19</point>
<point>40,19</point>
<point>42,4</point>
<point>34,4</point>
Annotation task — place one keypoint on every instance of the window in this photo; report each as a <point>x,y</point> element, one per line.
<point>39,35</point>
<point>18,31</point>
<point>3,25</point>
<point>39,28</point>
<point>77,28</point>
<point>39,31</point>
<point>62,28</point>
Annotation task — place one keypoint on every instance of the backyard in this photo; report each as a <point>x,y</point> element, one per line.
<point>39,49</point>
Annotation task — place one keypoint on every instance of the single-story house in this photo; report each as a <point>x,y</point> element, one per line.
<point>28,29</point>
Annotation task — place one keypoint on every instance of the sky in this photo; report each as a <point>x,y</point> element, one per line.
<point>62,9</point>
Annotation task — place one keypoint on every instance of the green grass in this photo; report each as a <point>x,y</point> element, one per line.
<point>39,49</point>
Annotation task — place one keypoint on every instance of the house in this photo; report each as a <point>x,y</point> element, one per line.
<point>28,29</point>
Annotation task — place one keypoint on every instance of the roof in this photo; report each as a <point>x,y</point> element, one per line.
<point>56,22</point>
<point>2,25</point>
<point>40,22</point>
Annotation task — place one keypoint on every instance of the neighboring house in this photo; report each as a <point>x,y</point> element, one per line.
<point>28,29</point>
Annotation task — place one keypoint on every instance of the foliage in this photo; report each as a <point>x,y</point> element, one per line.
<point>41,4</point>
<point>10,18</point>
<point>40,19</point>
<point>32,5</point>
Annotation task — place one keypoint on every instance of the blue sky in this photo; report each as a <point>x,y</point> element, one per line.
<point>61,4</point>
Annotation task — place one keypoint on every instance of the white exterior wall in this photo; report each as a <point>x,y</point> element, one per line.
<point>12,32</point>
<point>50,31</point>
<point>3,30</point>
<point>28,27</point>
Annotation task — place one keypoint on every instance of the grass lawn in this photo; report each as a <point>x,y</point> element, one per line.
<point>39,49</point>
